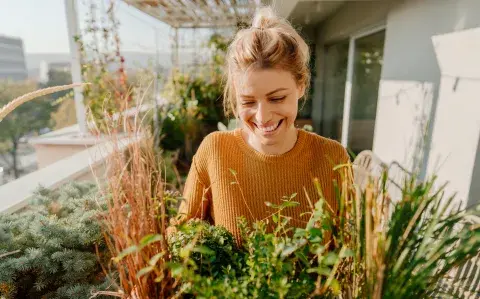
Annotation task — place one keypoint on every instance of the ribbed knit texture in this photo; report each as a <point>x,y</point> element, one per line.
<point>210,194</point>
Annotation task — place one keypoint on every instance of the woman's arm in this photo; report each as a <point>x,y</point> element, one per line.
<point>196,203</point>
<point>196,196</point>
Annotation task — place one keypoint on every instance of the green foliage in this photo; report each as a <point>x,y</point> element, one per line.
<point>65,114</point>
<point>427,236</point>
<point>283,263</point>
<point>194,109</point>
<point>52,246</point>
<point>194,103</point>
<point>368,252</point>
<point>103,66</point>
<point>209,247</point>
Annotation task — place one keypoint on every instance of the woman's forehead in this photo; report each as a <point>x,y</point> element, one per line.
<point>263,81</point>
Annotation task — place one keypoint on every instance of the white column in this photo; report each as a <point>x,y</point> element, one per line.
<point>75,61</point>
<point>348,92</point>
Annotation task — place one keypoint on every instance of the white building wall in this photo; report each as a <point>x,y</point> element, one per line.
<point>414,93</point>
<point>454,153</point>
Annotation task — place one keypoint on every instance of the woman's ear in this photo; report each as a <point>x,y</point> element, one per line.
<point>301,91</point>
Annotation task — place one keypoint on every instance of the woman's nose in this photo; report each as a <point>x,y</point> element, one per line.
<point>263,114</point>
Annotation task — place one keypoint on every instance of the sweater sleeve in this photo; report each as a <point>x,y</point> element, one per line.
<point>197,193</point>
<point>196,196</point>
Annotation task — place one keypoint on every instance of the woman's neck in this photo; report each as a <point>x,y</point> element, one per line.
<point>278,148</point>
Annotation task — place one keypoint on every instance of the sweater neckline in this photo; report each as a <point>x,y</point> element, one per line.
<point>247,149</point>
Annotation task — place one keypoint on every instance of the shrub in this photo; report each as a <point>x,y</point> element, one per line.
<point>214,246</point>
<point>372,248</point>
<point>50,250</point>
<point>269,264</point>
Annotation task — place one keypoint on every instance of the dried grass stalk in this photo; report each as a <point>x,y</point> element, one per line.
<point>136,209</point>
<point>5,110</point>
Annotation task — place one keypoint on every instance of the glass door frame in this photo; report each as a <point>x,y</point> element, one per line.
<point>347,101</point>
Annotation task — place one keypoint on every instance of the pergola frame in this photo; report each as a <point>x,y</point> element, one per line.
<point>198,13</point>
<point>176,13</point>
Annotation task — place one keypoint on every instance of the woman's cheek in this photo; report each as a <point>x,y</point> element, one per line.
<point>289,112</point>
<point>245,116</point>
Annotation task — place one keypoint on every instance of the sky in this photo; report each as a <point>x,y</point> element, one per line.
<point>42,26</point>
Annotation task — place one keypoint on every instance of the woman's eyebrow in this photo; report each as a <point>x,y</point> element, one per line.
<point>276,90</point>
<point>269,93</point>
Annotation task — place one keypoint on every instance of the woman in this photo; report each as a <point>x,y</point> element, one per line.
<point>234,173</point>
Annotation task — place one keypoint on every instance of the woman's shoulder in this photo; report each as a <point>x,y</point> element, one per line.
<point>216,141</point>
<point>218,137</point>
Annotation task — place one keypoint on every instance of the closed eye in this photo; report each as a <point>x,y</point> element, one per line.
<point>247,103</point>
<point>279,99</point>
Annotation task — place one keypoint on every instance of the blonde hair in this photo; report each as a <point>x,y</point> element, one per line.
<point>271,42</point>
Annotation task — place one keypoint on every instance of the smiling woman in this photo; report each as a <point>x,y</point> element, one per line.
<point>234,173</point>
<point>267,106</point>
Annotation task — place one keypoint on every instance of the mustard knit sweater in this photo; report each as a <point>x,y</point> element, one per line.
<point>224,158</point>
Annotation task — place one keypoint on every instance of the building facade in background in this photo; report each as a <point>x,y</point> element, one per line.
<point>399,78</point>
<point>12,59</point>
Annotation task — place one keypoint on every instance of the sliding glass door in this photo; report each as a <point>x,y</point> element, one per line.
<point>352,76</point>
<point>335,74</point>
<point>367,68</point>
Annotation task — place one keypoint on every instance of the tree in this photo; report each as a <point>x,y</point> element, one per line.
<point>26,119</point>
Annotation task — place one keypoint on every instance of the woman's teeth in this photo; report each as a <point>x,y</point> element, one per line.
<point>268,129</point>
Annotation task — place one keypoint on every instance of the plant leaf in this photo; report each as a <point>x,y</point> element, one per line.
<point>275,218</point>
<point>330,259</point>
<point>203,250</point>
<point>144,271</point>
<point>155,258</point>
<point>125,252</point>
<point>150,238</point>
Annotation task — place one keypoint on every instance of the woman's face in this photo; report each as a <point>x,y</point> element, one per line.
<point>267,104</point>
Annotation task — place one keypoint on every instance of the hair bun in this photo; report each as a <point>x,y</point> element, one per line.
<point>276,45</point>
<point>265,18</point>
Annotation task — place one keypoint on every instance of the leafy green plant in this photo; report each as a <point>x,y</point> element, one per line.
<point>194,105</point>
<point>51,250</point>
<point>274,260</point>
<point>192,112</point>
<point>209,247</point>
<point>370,248</point>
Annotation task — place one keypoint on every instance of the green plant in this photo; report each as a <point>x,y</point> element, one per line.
<point>426,236</point>
<point>192,112</point>
<point>209,247</point>
<point>370,248</point>
<point>274,261</point>
<point>109,91</point>
<point>54,246</point>
<point>194,103</point>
